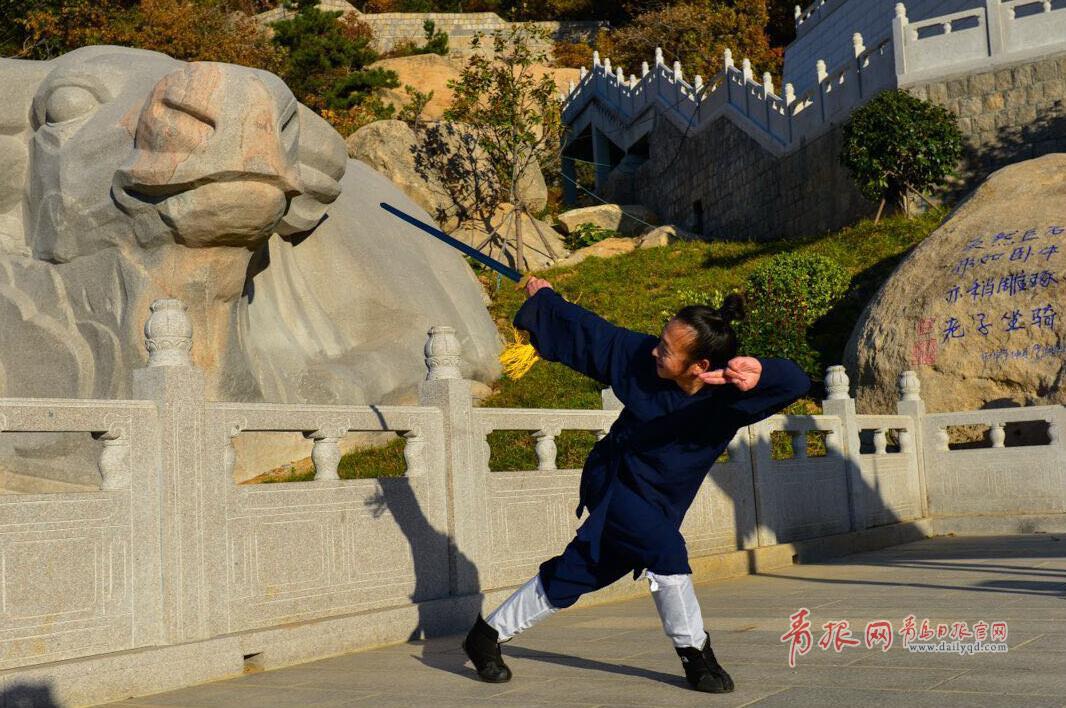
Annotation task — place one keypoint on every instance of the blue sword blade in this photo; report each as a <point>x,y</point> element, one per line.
<point>454,243</point>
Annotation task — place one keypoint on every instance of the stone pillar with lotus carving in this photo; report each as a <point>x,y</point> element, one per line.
<point>191,464</point>
<point>446,389</point>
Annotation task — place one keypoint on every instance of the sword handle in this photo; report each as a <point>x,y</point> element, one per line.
<point>521,284</point>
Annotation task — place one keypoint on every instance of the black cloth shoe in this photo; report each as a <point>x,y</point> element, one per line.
<point>483,648</point>
<point>702,669</point>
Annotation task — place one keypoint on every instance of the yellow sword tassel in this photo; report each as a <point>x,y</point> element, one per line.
<point>518,357</point>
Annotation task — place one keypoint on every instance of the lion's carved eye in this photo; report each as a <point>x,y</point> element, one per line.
<point>67,103</point>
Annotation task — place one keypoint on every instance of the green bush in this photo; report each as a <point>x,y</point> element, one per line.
<point>896,143</point>
<point>586,235</point>
<point>436,40</point>
<point>784,296</point>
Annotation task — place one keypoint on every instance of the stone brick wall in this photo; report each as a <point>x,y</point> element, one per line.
<point>393,28</point>
<point>1006,115</point>
<point>744,191</point>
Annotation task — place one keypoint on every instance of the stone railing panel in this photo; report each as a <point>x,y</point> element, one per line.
<point>944,41</point>
<point>996,479</point>
<point>80,571</point>
<point>892,486</point>
<point>1031,24</point>
<point>722,517</point>
<point>800,497</point>
<point>303,550</point>
<point>530,513</point>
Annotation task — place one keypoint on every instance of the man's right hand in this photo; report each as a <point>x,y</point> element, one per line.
<point>534,284</point>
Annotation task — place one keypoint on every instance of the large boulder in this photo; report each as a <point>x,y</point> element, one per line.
<point>627,220</point>
<point>390,147</point>
<point>606,248</point>
<point>146,177</point>
<point>977,308</point>
<point>442,168</point>
<point>663,235</point>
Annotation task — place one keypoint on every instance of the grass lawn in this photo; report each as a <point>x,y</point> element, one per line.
<point>639,290</point>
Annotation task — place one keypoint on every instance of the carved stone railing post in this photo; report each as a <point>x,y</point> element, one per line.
<point>899,39</point>
<point>546,448</point>
<point>168,334</point>
<point>910,404</point>
<point>760,445</point>
<point>193,485</point>
<point>443,354</point>
<point>840,404</point>
<point>836,383</point>
<point>996,17</point>
<point>465,480</point>
<point>326,453</point>
<point>609,401</point>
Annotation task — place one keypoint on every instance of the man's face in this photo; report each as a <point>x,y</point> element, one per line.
<point>672,352</point>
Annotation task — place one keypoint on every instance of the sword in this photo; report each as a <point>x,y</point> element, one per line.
<point>454,243</point>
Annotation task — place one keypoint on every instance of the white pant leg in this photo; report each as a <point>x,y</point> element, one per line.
<point>524,608</point>
<point>675,598</point>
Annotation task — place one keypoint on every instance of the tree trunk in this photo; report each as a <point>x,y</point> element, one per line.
<point>501,232</point>
<point>925,199</point>
<point>880,209</point>
<point>520,254</point>
<point>544,240</point>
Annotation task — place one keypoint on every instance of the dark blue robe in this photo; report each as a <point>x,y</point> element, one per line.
<point>639,480</point>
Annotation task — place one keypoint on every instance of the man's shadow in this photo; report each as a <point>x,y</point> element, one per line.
<point>439,614</point>
<point>28,695</point>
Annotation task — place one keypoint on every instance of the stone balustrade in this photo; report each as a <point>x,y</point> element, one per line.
<point>994,34</point>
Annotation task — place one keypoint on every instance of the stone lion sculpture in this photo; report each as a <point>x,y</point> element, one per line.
<point>131,176</point>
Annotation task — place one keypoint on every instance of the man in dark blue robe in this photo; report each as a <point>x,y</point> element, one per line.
<point>639,480</point>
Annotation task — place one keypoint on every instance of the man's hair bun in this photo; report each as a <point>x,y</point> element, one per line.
<point>732,308</point>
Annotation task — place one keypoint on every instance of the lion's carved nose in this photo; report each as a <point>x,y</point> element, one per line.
<point>213,154</point>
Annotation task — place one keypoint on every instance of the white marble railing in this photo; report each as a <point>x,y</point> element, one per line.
<point>80,570</point>
<point>993,34</point>
<point>778,122</point>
